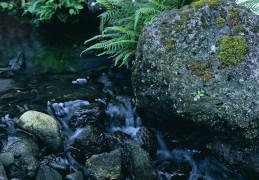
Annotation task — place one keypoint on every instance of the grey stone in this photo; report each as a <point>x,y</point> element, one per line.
<point>19,146</point>
<point>47,173</point>
<point>24,167</point>
<point>6,158</point>
<point>106,165</point>
<point>141,164</point>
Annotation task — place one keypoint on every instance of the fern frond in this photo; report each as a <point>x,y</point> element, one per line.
<point>123,22</point>
<point>122,30</point>
<point>253,5</point>
<point>144,11</point>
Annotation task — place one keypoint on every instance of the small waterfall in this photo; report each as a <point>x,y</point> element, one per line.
<point>163,151</point>
<point>122,115</point>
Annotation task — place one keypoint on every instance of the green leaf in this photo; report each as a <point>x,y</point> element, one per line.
<point>4,5</point>
<point>72,12</point>
<point>79,7</point>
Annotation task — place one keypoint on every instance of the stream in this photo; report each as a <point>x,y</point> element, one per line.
<point>59,82</point>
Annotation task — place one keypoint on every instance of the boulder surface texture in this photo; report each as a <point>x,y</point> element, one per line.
<point>201,64</point>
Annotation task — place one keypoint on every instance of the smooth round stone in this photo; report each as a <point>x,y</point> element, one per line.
<point>44,127</point>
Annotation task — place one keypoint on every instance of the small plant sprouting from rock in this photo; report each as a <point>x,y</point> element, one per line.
<point>197,95</point>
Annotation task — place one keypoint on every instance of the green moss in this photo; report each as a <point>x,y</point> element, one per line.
<point>233,50</point>
<point>220,21</point>
<point>169,45</point>
<point>178,29</point>
<point>202,69</point>
<point>201,3</point>
<point>233,13</point>
<point>181,21</point>
<point>237,28</point>
<point>184,17</point>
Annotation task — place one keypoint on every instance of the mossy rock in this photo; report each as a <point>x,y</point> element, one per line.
<point>210,74</point>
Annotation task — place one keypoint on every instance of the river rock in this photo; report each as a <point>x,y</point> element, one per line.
<point>89,142</point>
<point>47,173</point>
<point>20,146</point>
<point>19,157</point>
<point>200,64</point>
<point>141,164</point>
<point>24,167</point>
<point>6,158</point>
<point>146,140</point>
<point>92,114</point>
<point>42,126</point>
<point>106,165</point>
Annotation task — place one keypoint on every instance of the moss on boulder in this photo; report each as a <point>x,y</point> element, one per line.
<point>201,3</point>
<point>233,50</point>
<point>215,51</point>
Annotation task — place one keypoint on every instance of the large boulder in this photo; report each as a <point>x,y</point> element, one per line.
<point>201,64</point>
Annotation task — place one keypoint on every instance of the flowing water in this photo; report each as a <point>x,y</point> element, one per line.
<point>58,81</point>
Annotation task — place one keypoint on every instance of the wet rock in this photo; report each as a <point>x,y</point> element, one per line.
<point>141,164</point>
<point>19,146</point>
<point>19,63</point>
<point>89,142</point>
<point>6,158</point>
<point>2,172</point>
<point>187,70</point>
<point>43,126</point>
<point>24,167</point>
<point>146,140</point>
<point>106,165</point>
<point>113,142</point>
<point>47,173</point>
<point>92,114</point>
<point>75,176</point>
